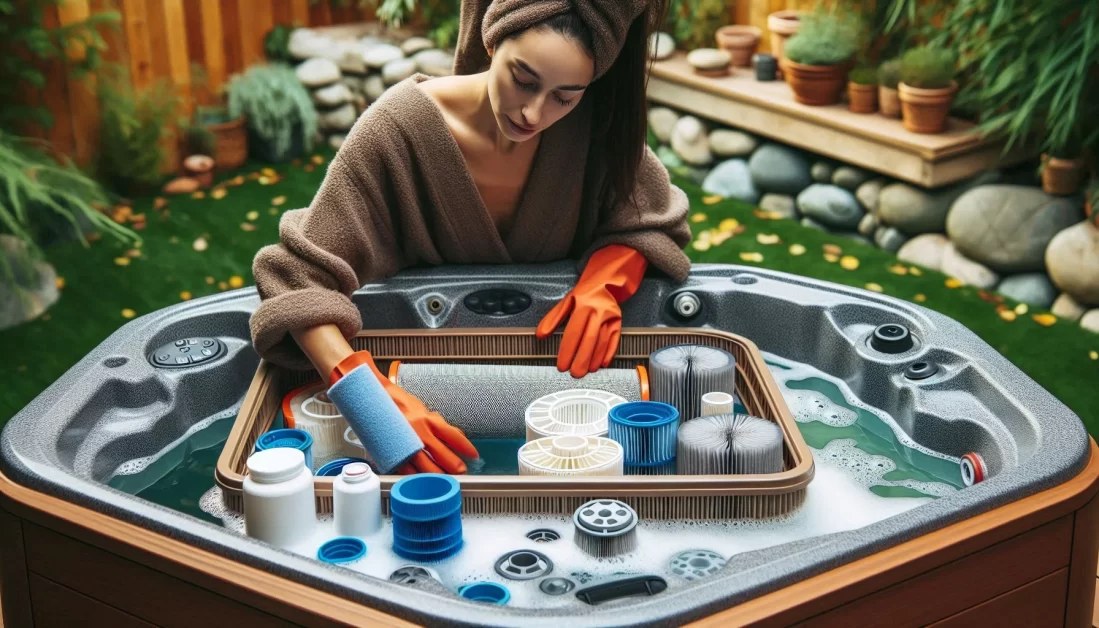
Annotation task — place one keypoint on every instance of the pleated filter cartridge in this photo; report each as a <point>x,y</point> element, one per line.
<point>647,432</point>
<point>571,455</point>
<point>725,444</point>
<point>580,412</point>
<point>681,374</point>
<point>309,409</point>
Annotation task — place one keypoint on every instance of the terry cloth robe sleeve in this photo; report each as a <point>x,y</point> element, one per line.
<point>655,224</point>
<point>344,238</point>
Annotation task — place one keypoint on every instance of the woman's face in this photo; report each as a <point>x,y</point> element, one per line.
<point>535,79</point>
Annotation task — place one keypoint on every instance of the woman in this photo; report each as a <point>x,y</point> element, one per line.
<point>534,151</point>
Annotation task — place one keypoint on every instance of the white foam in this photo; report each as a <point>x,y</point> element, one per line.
<point>810,405</point>
<point>137,465</point>
<point>869,469</point>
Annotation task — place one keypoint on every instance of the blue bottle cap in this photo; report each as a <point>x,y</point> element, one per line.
<point>344,549</point>
<point>486,592</point>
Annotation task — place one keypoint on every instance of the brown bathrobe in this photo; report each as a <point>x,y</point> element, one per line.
<point>398,194</point>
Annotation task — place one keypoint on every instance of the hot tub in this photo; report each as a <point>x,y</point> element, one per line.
<point>1019,545</point>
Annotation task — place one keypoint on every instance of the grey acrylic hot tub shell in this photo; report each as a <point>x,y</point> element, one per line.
<point>70,439</point>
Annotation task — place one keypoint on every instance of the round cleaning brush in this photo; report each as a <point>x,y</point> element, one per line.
<point>646,430</point>
<point>605,528</point>
<point>725,444</point>
<point>309,409</point>
<point>681,374</point>
<point>571,455</point>
<point>580,411</point>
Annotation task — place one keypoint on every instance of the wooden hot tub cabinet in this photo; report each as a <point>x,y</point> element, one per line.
<point>1031,563</point>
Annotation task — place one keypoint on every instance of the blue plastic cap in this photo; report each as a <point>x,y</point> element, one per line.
<point>344,549</point>
<point>425,497</point>
<point>285,437</point>
<point>486,592</point>
<point>644,413</point>
<point>335,467</point>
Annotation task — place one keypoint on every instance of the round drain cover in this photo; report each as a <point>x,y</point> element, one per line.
<point>696,564</point>
<point>410,574</point>
<point>543,535</point>
<point>556,586</point>
<point>605,517</point>
<point>523,565</point>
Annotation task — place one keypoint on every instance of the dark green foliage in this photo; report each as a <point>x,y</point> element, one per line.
<point>864,76</point>
<point>276,43</point>
<point>825,38</point>
<point>693,23</point>
<point>889,74</point>
<point>132,124</point>
<point>927,68</point>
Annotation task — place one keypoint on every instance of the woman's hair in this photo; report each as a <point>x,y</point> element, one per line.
<point>619,101</point>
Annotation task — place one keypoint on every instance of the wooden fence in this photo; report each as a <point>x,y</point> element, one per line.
<point>162,39</point>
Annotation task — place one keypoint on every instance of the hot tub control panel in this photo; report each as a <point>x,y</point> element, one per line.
<point>187,352</point>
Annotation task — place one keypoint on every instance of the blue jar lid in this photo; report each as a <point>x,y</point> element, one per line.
<point>286,437</point>
<point>643,413</point>
<point>344,549</point>
<point>333,468</point>
<point>486,592</point>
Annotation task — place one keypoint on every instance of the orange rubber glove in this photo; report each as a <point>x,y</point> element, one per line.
<point>612,275</point>
<point>440,438</point>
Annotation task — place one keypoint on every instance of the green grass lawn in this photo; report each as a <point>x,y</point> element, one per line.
<point>99,293</point>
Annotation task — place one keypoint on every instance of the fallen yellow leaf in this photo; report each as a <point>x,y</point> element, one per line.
<point>122,261</point>
<point>59,283</point>
<point>185,295</point>
<point>873,287</point>
<point>308,168</point>
<point>797,249</point>
<point>210,280</point>
<point>160,202</point>
<point>701,245</point>
<point>252,215</point>
<point>720,237</point>
<point>921,297</point>
<point>832,249</point>
<point>133,253</point>
<point>317,159</point>
<point>849,262</point>
<point>753,256</point>
<point>831,258</point>
<point>764,214</point>
<point>1007,315</point>
<point>915,271</point>
<point>953,282</point>
<point>897,269</point>
<point>698,217</point>
<point>273,211</point>
<point>729,224</point>
<point>270,172</point>
<point>768,238</point>
<point>1045,320</point>
<point>1021,309</point>
<point>247,226</point>
<point>219,193</point>
<point>710,200</point>
<point>222,285</point>
<point>128,313</point>
<point>200,244</point>
<point>265,181</point>
<point>278,200</point>
<point>236,281</point>
<point>1094,355</point>
<point>199,194</point>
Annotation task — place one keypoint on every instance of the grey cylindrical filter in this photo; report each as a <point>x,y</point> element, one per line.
<point>680,374</point>
<point>605,528</point>
<point>490,400</point>
<point>726,444</point>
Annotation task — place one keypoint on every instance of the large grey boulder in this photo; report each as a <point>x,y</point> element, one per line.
<point>831,205</point>
<point>1033,288</point>
<point>731,179</point>
<point>1072,259</point>
<point>33,288</point>
<point>779,169</point>
<point>968,271</point>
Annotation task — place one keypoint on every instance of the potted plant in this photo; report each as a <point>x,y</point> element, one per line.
<point>889,76</point>
<point>927,88</point>
<point>741,41</point>
<point>281,118</point>
<point>782,25</point>
<point>862,90</point>
<point>818,58</point>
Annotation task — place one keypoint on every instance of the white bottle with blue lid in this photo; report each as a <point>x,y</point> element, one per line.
<point>279,506</point>
<point>357,501</point>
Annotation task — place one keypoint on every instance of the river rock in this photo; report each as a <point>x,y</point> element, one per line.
<point>850,177</point>
<point>1008,227</point>
<point>708,59</point>
<point>868,225</point>
<point>31,290</point>
<point>857,237</point>
<point>1072,260</point>
<point>341,119</point>
<point>662,120</point>
<point>1033,288</point>
<point>779,169</point>
<point>779,204</point>
<point>1067,308</point>
<point>812,224</point>
<point>690,141</point>
<point>306,43</point>
<point>398,70</point>
<point>726,143</point>
<point>830,205</point>
<point>889,238</point>
<point>925,250</point>
<point>337,140</point>
<point>731,179</point>
<point>868,194</point>
<point>334,95</point>
<point>911,210</point>
<point>661,45</point>
<point>412,45</point>
<point>373,87</point>
<point>318,72</point>
<point>352,61</point>
<point>435,62</point>
<point>968,271</point>
<point>1090,321</point>
<point>354,83</point>
<point>377,56</point>
<point>821,172</point>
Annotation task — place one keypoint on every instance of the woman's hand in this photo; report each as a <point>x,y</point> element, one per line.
<point>590,341</point>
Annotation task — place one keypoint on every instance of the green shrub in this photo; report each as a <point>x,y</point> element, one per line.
<point>864,76</point>
<point>889,74</point>
<point>276,43</point>
<point>132,125</point>
<point>274,103</point>
<point>824,39</point>
<point>927,68</point>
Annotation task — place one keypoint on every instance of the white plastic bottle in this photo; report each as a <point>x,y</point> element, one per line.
<point>279,506</point>
<point>357,501</point>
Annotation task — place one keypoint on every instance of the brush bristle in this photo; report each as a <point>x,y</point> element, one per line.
<point>681,374</point>
<point>725,444</point>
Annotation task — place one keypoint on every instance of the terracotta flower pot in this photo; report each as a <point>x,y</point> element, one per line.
<point>862,98</point>
<point>200,168</point>
<point>925,110</point>
<point>816,85</point>
<point>230,143</point>
<point>740,41</point>
<point>1061,177</point>
<point>782,25</point>
<point>889,102</point>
